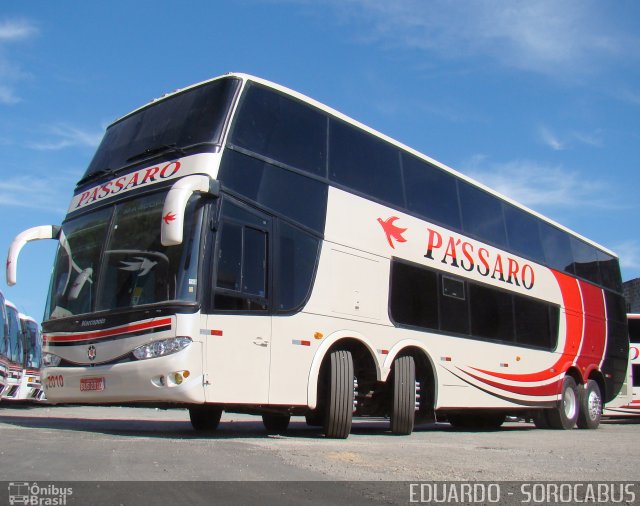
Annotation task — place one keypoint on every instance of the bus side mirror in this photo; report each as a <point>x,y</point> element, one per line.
<point>172,224</point>
<point>32,234</point>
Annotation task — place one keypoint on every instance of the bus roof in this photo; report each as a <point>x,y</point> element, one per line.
<point>333,112</point>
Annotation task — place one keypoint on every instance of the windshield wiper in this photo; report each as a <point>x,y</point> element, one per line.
<point>162,149</point>
<point>97,174</point>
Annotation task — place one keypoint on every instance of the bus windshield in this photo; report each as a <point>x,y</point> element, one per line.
<point>15,343</point>
<point>195,117</point>
<point>113,258</point>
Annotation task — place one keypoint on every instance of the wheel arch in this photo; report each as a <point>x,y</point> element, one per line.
<point>363,353</point>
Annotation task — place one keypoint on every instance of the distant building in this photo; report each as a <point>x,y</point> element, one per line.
<point>631,290</point>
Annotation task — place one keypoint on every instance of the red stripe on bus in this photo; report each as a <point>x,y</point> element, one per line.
<point>595,328</point>
<point>572,301</point>
<point>533,391</point>
<point>108,333</point>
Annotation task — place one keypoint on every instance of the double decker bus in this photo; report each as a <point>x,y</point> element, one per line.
<point>628,400</point>
<point>31,384</point>
<point>14,353</point>
<point>238,246</point>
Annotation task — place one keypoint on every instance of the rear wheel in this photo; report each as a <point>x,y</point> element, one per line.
<point>565,415</point>
<point>403,409</point>
<point>339,401</point>
<point>205,418</point>
<point>275,422</point>
<point>590,406</point>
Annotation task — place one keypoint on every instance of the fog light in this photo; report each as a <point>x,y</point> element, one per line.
<point>177,378</point>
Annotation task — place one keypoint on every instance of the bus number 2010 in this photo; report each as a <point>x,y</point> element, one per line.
<point>55,381</point>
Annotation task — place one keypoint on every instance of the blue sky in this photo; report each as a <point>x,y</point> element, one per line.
<point>538,99</point>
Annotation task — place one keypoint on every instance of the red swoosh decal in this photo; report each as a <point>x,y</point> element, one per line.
<point>125,329</point>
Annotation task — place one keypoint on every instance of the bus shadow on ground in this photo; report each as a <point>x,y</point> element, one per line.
<point>228,429</point>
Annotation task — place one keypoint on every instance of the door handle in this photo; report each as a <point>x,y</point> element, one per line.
<point>258,341</point>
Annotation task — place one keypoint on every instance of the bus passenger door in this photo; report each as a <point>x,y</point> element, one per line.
<point>238,341</point>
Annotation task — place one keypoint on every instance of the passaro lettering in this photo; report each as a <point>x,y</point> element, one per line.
<point>463,254</point>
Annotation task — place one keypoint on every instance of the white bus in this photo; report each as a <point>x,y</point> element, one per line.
<point>14,353</point>
<point>31,385</point>
<point>238,246</point>
<point>4,346</point>
<point>628,400</point>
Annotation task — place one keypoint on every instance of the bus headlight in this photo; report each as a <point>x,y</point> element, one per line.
<point>161,348</point>
<point>51,360</point>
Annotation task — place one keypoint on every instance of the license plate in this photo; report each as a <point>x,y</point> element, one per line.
<point>91,384</point>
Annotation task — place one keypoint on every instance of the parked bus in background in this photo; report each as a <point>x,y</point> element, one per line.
<point>15,353</point>
<point>263,253</point>
<point>4,346</point>
<point>628,400</point>
<point>31,384</point>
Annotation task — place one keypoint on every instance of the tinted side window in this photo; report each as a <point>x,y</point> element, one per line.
<point>482,214</point>
<point>414,296</point>
<point>523,233</point>
<point>585,261</point>
<point>609,271</point>
<point>534,323</point>
<point>454,306</point>
<point>557,249</point>
<point>491,313</point>
<point>242,261</point>
<point>431,192</point>
<point>299,198</point>
<point>283,129</point>
<point>297,254</point>
<point>364,163</point>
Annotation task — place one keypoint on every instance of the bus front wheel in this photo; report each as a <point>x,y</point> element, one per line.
<point>338,409</point>
<point>275,422</point>
<point>205,418</point>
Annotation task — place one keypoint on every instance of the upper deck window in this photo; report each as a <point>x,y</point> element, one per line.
<point>365,163</point>
<point>194,117</point>
<point>282,129</point>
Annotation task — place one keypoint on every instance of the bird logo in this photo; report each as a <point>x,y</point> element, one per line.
<point>393,232</point>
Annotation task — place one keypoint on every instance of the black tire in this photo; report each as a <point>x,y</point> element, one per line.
<point>403,407</point>
<point>276,423</point>
<point>590,406</point>
<point>339,402</point>
<point>205,418</point>
<point>565,416</point>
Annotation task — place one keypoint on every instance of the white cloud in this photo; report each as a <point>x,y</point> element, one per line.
<point>36,192</point>
<point>16,29</point>
<point>65,136</point>
<point>12,31</point>
<point>7,96</point>
<point>554,38</point>
<point>629,253</point>
<point>550,139</point>
<point>541,187</point>
<point>563,141</point>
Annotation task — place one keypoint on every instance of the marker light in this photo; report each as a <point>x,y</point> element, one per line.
<point>161,348</point>
<point>51,360</point>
